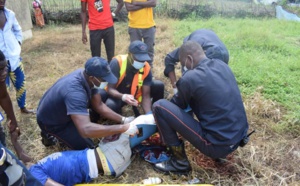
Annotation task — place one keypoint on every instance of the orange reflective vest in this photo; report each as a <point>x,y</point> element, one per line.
<point>138,79</point>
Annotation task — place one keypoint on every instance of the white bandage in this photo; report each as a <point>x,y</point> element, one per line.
<point>175,90</point>
<point>132,130</point>
<point>129,119</point>
<point>144,119</point>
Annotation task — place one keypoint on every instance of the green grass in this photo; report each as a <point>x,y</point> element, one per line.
<point>264,54</point>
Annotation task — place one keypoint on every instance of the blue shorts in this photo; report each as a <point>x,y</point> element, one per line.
<point>67,168</point>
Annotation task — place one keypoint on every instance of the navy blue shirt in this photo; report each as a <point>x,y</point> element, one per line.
<point>213,47</point>
<point>70,95</point>
<point>213,94</point>
<point>125,85</point>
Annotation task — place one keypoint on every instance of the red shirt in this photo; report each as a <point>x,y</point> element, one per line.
<point>99,20</point>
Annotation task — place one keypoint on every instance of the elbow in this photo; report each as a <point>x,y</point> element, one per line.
<point>84,134</point>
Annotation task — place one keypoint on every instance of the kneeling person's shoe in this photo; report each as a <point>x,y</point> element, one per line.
<point>173,166</point>
<point>178,164</point>
<point>48,140</point>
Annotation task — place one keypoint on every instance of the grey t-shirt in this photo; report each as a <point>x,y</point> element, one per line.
<point>69,95</point>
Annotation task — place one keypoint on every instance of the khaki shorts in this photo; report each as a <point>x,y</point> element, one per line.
<point>118,153</point>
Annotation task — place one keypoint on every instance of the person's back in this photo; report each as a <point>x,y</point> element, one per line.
<point>216,101</point>
<point>53,105</point>
<point>209,41</point>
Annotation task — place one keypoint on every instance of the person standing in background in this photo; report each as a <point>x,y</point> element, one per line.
<point>141,23</point>
<point>101,25</point>
<point>10,45</point>
<point>39,17</point>
<point>6,105</point>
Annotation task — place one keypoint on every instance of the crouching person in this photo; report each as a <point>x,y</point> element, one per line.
<point>72,167</point>
<point>210,88</point>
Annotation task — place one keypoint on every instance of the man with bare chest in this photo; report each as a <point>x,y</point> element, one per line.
<point>10,44</point>
<point>2,18</point>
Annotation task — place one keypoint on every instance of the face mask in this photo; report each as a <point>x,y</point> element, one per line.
<point>101,86</point>
<point>185,68</point>
<point>138,65</point>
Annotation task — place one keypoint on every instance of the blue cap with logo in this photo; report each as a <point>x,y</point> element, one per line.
<point>139,50</point>
<point>98,67</point>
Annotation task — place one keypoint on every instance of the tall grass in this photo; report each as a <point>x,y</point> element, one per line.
<point>264,55</point>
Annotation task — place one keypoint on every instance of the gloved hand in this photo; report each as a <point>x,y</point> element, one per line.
<point>127,119</point>
<point>113,14</point>
<point>129,99</point>
<point>132,130</point>
<point>175,90</point>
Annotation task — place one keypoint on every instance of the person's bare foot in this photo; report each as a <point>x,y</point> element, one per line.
<point>27,111</point>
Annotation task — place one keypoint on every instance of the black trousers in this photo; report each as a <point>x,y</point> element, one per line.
<point>156,92</point>
<point>108,37</point>
<point>170,120</point>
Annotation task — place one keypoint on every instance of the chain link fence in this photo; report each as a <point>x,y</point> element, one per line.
<point>69,10</point>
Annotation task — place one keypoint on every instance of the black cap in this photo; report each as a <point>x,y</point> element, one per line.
<point>98,67</point>
<point>139,50</point>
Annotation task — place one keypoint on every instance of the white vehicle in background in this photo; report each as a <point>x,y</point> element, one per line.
<point>266,2</point>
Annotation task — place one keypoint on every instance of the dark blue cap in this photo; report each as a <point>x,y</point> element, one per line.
<point>98,67</point>
<point>139,50</point>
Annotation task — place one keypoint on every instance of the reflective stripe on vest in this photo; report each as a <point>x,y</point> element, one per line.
<point>138,79</point>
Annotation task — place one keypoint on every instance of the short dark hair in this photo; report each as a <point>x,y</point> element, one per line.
<point>2,57</point>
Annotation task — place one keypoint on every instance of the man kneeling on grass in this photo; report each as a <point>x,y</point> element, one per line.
<point>72,167</point>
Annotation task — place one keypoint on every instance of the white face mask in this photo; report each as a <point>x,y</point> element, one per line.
<point>138,65</point>
<point>101,86</point>
<point>185,68</point>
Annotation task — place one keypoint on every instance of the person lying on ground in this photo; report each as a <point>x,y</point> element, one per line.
<point>72,167</point>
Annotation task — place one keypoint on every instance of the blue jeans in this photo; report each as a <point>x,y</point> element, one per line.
<point>30,180</point>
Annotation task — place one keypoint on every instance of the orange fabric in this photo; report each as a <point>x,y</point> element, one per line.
<point>99,20</point>
<point>39,17</point>
<point>136,90</point>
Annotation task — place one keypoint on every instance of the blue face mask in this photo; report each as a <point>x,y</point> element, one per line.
<point>138,65</point>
